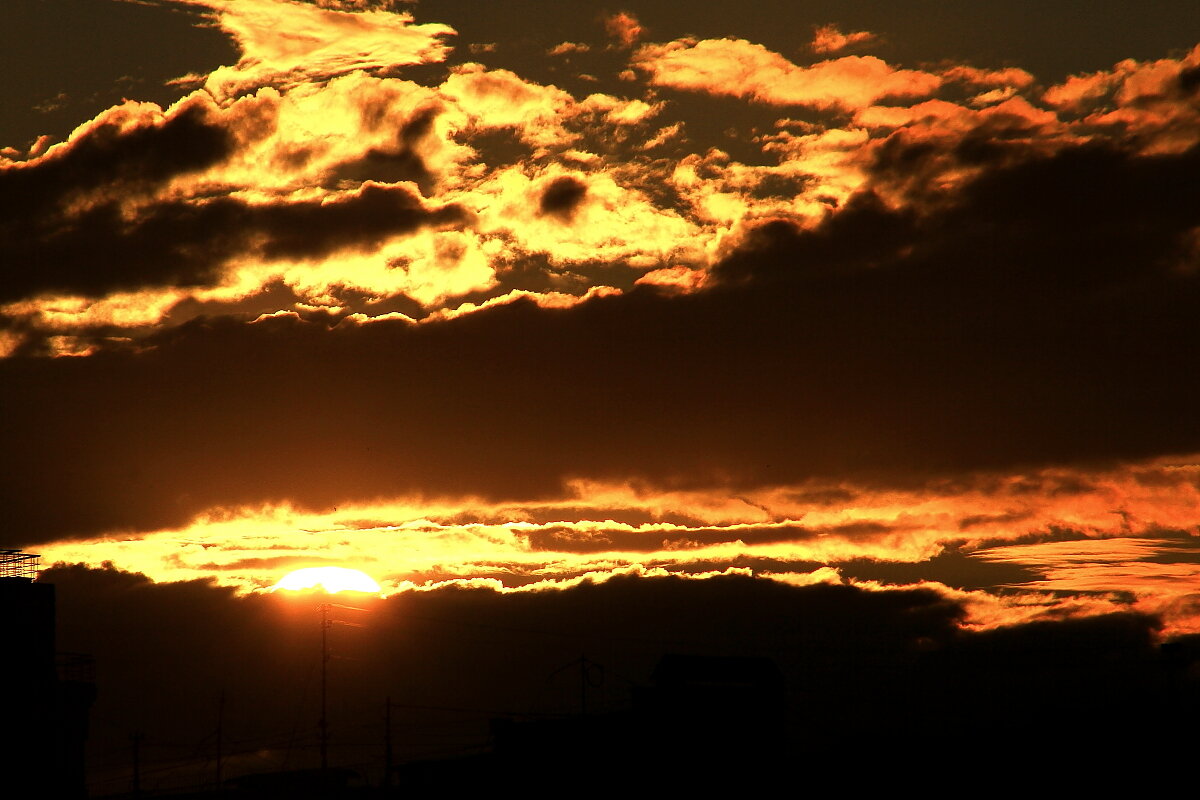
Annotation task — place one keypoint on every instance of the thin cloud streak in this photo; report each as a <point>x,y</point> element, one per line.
<point>1123,537</point>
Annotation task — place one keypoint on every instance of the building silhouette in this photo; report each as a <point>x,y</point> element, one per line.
<point>704,723</point>
<point>47,695</point>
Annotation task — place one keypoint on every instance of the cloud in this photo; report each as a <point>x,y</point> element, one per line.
<point>567,48</point>
<point>1077,89</point>
<point>142,198</point>
<point>182,244</point>
<point>1153,103</point>
<point>394,128</point>
<point>618,111</point>
<point>285,43</point>
<point>486,141</point>
<point>863,347</point>
<point>1009,76</point>
<point>935,146</point>
<point>363,5</point>
<point>562,195</point>
<point>682,277</point>
<point>972,532</point>
<point>565,334</point>
<point>624,27</point>
<point>502,99</point>
<point>613,223</point>
<point>1158,567</point>
<point>740,68</point>
<point>828,39</point>
<point>283,150</point>
<point>133,147</point>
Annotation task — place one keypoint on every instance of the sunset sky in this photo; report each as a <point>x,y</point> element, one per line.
<point>519,293</point>
<point>898,300</point>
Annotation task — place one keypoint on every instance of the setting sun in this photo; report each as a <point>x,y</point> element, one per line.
<point>330,579</point>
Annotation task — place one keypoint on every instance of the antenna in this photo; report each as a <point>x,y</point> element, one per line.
<point>323,722</point>
<point>387,743</point>
<point>135,739</point>
<point>220,733</point>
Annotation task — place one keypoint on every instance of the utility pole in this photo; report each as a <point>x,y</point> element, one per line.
<point>220,732</point>
<point>136,738</point>
<point>323,723</point>
<point>387,744</point>
<point>585,678</point>
<point>583,681</point>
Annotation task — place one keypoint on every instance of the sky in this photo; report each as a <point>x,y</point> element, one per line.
<point>891,299</point>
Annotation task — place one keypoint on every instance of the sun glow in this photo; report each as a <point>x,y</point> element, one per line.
<point>329,579</point>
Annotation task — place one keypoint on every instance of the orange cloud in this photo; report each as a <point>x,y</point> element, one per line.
<point>1072,94</point>
<point>566,48</point>
<point>1149,102</point>
<point>740,68</point>
<point>683,278</point>
<point>624,27</point>
<point>1111,528</point>
<point>620,111</point>
<point>1060,542</point>
<point>1010,76</point>
<point>942,118</point>
<point>828,39</point>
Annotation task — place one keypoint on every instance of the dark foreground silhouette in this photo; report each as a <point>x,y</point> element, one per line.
<point>731,685</point>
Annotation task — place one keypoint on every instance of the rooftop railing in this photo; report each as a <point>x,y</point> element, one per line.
<point>15,564</point>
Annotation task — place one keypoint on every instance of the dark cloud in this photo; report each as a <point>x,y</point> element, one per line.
<point>562,196</point>
<point>179,243</point>
<point>362,221</point>
<point>1189,80</point>
<point>400,162</point>
<point>110,160</point>
<point>1052,533</point>
<point>1038,319</point>
<point>951,567</point>
<point>783,186</point>
<point>971,521</point>
<point>67,224</point>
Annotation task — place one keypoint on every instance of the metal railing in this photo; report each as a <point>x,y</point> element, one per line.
<point>15,564</point>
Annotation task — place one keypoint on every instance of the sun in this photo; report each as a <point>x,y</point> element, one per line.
<point>329,579</point>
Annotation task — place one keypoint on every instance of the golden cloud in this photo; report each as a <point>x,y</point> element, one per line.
<point>285,43</point>
<point>1132,530</point>
<point>740,68</point>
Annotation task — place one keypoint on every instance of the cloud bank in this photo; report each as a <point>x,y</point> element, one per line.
<point>355,270</point>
